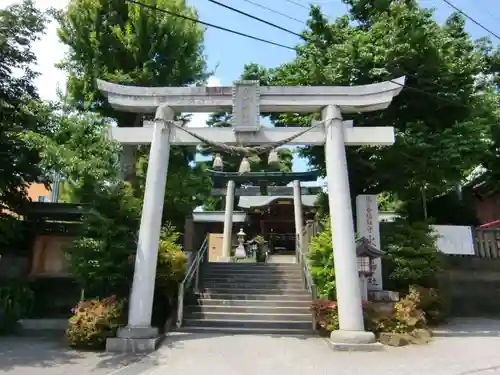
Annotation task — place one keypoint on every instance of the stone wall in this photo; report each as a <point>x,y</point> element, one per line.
<point>472,285</point>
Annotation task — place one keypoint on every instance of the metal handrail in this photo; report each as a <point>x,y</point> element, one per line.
<point>306,270</point>
<point>193,271</point>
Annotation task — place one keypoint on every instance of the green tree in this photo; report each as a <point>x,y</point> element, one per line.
<point>128,44</point>
<point>411,255</point>
<point>76,146</point>
<point>20,111</point>
<point>440,135</point>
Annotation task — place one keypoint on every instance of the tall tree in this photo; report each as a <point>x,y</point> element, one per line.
<point>442,125</point>
<point>129,44</point>
<point>76,146</point>
<point>20,26</point>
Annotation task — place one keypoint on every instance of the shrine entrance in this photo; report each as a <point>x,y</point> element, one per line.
<point>274,212</point>
<point>248,100</point>
<point>273,217</point>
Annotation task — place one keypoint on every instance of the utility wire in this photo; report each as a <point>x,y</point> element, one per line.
<point>300,5</point>
<point>275,11</point>
<point>449,101</point>
<point>151,7</point>
<point>452,102</point>
<point>255,18</point>
<point>472,19</point>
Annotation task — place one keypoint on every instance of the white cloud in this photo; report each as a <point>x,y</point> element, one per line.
<point>199,120</point>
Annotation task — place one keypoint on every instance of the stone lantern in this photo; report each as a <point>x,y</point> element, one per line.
<point>240,252</point>
<point>366,253</point>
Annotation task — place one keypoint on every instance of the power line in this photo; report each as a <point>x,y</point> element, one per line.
<point>275,11</point>
<point>151,7</point>
<point>472,19</point>
<point>452,102</point>
<point>446,100</point>
<point>297,4</point>
<point>255,18</point>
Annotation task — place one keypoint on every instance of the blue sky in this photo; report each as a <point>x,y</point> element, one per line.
<point>228,53</point>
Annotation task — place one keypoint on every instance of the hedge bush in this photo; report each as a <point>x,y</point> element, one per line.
<point>93,321</point>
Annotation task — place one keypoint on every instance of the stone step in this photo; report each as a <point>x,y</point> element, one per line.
<point>260,291</point>
<point>252,275</point>
<point>244,316</point>
<point>254,303</point>
<point>282,259</point>
<point>243,279</point>
<point>270,309</point>
<point>258,271</point>
<point>257,267</point>
<point>254,265</point>
<point>254,285</point>
<point>243,323</point>
<point>249,331</point>
<point>243,296</point>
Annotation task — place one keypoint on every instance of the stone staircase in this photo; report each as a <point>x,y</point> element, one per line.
<point>250,298</point>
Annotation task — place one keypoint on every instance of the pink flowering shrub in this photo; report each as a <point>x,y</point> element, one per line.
<point>327,315</point>
<point>432,303</point>
<point>93,321</point>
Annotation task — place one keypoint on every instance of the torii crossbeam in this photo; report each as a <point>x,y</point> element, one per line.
<point>247,100</point>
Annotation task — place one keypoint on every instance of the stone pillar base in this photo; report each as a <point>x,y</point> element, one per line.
<point>134,340</point>
<point>354,341</point>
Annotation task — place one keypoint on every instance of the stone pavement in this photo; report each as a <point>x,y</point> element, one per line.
<point>48,355</point>
<point>465,347</point>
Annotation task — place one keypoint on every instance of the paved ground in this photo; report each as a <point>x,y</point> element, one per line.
<point>466,347</point>
<point>47,355</point>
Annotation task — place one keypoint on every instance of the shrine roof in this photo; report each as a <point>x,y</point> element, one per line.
<point>247,202</point>
<point>220,178</point>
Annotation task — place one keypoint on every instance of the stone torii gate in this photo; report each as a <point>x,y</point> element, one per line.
<point>247,100</point>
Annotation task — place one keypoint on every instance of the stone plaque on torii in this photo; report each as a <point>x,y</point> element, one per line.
<point>246,99</point>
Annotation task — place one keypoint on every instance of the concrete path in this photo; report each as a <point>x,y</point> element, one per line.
<point>48,355</point>
<point>466,347</point>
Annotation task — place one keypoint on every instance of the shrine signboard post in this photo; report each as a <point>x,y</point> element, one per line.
<point>247,100</point>
<point>368,226</point>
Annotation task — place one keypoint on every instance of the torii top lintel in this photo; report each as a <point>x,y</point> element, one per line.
<point>305,99</point>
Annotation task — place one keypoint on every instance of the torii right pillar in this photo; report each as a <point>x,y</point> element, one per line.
<point>351,327</point>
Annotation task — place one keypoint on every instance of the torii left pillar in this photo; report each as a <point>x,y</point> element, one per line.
<point>298,213</point>
<point>228,223</point>
<point>141,297</point>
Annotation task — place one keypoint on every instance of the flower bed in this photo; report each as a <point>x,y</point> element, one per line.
<point>396,324</point>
